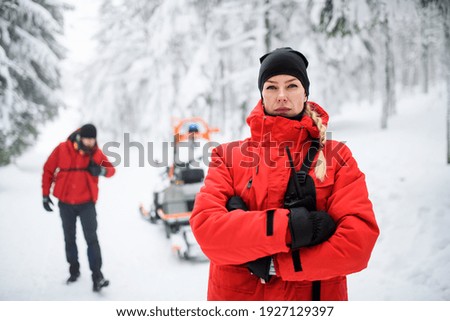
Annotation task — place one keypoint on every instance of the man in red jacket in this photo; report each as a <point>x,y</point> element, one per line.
<point>285,213</point>
<point>73,168</point>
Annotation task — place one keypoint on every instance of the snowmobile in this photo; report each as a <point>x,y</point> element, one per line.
<point>173,204</point>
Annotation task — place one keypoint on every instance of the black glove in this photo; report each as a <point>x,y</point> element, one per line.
<point>46,201</point>
<point>259,267</point>
<point>96,170</point>
<point>236,203</point>
<point>309,228</point>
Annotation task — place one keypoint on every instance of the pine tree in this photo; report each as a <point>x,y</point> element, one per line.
<point>29,71</point>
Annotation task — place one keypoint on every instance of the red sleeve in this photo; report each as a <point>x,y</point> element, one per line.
<point>102,160</point>
<point>238,236</point>
<point>49,170</point>
<point>349,249</point>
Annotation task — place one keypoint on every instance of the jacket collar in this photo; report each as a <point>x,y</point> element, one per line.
<point>281,129</point>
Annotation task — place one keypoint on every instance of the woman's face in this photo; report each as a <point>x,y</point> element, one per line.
<point>283,95</point>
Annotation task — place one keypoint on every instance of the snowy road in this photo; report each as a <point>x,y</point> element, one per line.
<point>137,257</point>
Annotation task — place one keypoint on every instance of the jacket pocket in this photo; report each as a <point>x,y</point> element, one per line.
<point>228,281</point>
<point>334,289</point>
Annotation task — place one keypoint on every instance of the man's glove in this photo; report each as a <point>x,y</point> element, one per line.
<point>309,228</point>
<point>236,203</point>
<point>96,170</point>
<point>46,201</point>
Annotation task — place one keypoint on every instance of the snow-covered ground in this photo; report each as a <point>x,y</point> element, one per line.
<point>409,184</point>
<point>137,257</point>
<point>407,176</point>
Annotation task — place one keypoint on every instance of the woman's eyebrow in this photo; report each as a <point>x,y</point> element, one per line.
<point>276,82</point>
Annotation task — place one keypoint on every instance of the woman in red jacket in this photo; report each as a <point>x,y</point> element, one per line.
<point>74,167</point>
<point>272,228</point>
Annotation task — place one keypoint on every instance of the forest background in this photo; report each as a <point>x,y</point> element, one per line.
<point>158,60</point>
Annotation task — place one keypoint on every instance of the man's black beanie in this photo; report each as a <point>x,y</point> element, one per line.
<point>283,61</point>
<point>88,131</point>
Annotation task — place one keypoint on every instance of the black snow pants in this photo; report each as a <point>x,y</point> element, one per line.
<point>88,218</point>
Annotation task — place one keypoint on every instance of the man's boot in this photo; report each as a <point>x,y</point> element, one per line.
<point>99,282</point>
<point>73,277</point>
<point>74,270</point>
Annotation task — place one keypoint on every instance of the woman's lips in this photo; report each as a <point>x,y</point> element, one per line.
<point>282,110</point>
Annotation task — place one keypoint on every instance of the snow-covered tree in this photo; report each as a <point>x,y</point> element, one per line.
<point>174,58</point>
<point>435,38</point>
<point>343,46</point>
<point>357,50</point>
<point>29,71</point>
<point>163,59</point>
<point>444,13</point>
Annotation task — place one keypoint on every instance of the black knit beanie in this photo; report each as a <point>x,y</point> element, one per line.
<point>88,131</point>
<point>283,61</point>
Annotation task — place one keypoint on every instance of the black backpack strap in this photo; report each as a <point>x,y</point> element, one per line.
<point>296,260</point>
<point>316,290</point>
<point>307,162</point>
<point>74,169</point>
<point>309,158</point>
<point>301,176</point>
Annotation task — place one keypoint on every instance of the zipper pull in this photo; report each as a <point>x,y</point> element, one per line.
<point>249,184</point>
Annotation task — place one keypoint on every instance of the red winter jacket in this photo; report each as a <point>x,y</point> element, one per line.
<point>257,170</point>
<point>66,168</point>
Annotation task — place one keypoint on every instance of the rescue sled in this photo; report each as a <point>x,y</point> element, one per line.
<point>173,205</point>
